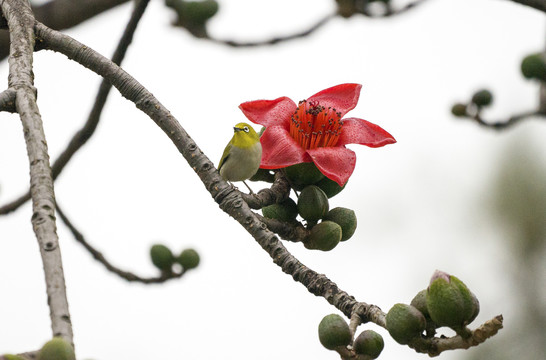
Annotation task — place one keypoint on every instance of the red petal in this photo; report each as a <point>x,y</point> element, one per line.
<point>280,150</point>
<point>358,131</point>
<point>336,163</point>
<point>342,97</point>
<point>269,112</point>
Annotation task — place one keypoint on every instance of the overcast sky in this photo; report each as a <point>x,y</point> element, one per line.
<point>420,202</point>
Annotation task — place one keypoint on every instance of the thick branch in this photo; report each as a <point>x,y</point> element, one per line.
<point>21,22</point>
<point>228,199</point>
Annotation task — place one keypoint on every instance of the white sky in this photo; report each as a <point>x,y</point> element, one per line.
<point>419,202</point>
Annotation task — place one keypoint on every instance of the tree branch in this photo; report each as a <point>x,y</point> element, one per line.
<point>229,200</point>
<point>505,124</point>
<point>84,134</point>
<point>279,191</point>
<point>275,40</point>
<point>97,255</point>
<point>20,22</point>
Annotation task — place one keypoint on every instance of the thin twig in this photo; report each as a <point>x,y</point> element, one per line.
<point>505,124</point>
<point>84,134</point>
<point>97,255</point>
<point>295,232</point>
<point>275,40</point>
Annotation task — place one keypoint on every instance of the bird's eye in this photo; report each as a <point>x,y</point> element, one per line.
<point>246,129</point>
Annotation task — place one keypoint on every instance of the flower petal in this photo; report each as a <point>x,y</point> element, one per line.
<point>358,131</point>
<point>342,97</point>
<point>336,163</point>
<point>269,112</point>
<point>280,150</point>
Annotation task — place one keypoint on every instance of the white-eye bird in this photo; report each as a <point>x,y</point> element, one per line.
<point>242,156</point>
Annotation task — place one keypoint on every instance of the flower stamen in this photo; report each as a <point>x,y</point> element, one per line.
<point>313,125</point>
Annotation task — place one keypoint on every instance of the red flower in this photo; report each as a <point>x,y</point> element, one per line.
<point>314,131</point>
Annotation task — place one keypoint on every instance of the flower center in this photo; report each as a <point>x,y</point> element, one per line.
<point>314,125</point>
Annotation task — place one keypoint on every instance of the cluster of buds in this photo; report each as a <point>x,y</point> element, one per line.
<point>335,334</point>
<point>327,227</point>
<point>163,258</point>
<point>447,302</point>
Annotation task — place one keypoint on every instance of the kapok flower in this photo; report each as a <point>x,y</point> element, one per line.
<point>314,131</point>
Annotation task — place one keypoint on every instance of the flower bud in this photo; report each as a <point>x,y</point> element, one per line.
<point>162,257</point>
<point>482,98</point>
<point>369,343</point>
<point>345,218</point>
<point>303,174</point>
<point>420,302</point>
<point>334,331</point>
<point>449,302</point>
<point>324,236</point>
<point>285,211</point>
<point>330,187</point>
<point>459,110</point>
<point>312,203</point>
<point>188,259</point>
<point>404,323</point>
<point>57,349</point>
<point>534,67</point>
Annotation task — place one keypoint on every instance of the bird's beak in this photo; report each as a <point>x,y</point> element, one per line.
<point>236,129</point>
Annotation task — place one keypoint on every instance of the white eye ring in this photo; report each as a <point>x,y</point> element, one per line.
<point>246,129</point>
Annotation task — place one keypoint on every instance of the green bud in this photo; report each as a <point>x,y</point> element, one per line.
<point>312,203</point>
<point>346,218</point>
<point>330,187</point>
<point>285,211</point>
<point>449,301</point>
<point>57,349</point>
<point>369,343</point>
<point>459,110</point>
<point>482,98</point>
<point>404,323</point>
<point>162,257</point>
<point>420,302</point>
<point>189,259</point>
<point>324,236</point>
<point>534,67</point>
<point>10,357</point>
<point>303,174</point>
<point>334,331</point>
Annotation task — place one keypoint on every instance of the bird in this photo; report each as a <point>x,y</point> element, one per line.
<point>242,156</point>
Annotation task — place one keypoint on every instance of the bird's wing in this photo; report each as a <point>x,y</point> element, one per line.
<point>225,155</point>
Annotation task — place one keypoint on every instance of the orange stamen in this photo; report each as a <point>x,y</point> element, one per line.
<point>313,125</point>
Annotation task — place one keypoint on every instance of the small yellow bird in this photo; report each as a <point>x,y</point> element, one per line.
<point>242,156</point>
